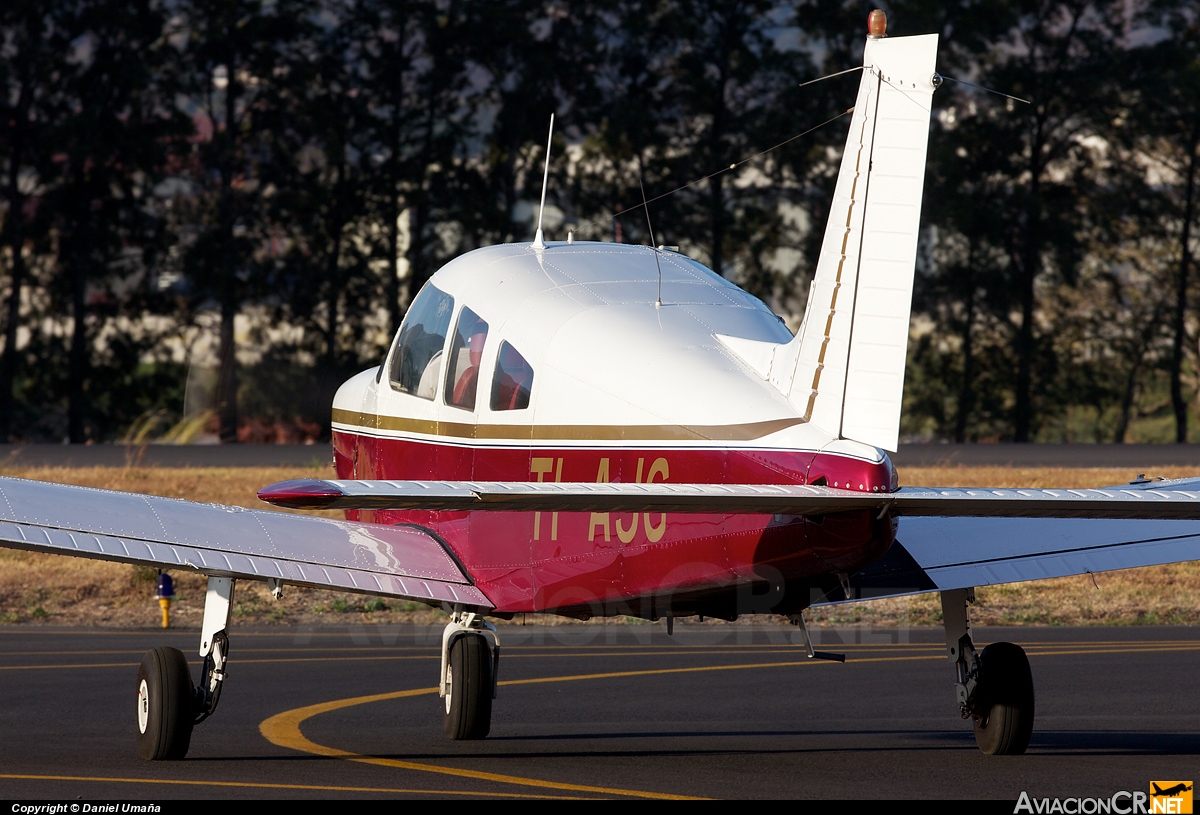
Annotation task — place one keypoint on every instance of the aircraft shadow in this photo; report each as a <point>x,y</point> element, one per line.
<point>1057,743</point>
<point>1091,742</point>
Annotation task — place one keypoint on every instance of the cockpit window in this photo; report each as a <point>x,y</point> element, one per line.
<point>462,377</point>
<point>417,359</point>
<point>512,380</point>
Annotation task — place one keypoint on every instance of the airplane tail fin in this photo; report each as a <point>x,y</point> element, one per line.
<point>845,368</point>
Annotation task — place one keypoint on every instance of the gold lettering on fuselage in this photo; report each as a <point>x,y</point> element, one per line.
<point>539,467</point>
<point>627,535</point>
<point>655,533</point>
<point>600,518</point>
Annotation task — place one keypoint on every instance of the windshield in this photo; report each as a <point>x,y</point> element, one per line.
<point>417,359</point>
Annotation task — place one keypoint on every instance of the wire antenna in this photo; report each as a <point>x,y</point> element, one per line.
<point>650,226</point>
<point>830,76</point>
<point>982,88</point>
<point>538,243</point>
<point>733,166</point>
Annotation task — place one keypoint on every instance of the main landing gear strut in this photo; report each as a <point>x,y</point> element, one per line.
<point>168,705</point>
<point>995,687</point>
<point>470,664</point>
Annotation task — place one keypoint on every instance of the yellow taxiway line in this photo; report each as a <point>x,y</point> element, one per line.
<point>266,785</point>
<point>284,729</point>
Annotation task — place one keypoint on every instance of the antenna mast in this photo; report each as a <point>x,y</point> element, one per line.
<point>646,206</point>
<point>538,242</point>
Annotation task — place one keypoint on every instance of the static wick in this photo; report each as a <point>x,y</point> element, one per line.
<point>538,242</point>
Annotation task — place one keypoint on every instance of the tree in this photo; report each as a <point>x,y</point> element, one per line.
<point>237,60</point>
<point>27,63</point>
<point>112,131</point>
<point>1166,78</point>
<point>422,109</point>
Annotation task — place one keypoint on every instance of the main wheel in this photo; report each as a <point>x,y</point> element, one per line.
<point>1004,700</point>
<point>164,705</point>
<point>469,689</point>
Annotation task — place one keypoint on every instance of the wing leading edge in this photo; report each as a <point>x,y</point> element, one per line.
<point>224,541</point>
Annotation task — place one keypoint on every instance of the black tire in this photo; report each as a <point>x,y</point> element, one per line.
<point>165,698</point>
<point>469,689</point>
<point>1004,701</point>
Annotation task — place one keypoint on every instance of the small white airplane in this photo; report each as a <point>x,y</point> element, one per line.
<point>595,429</point>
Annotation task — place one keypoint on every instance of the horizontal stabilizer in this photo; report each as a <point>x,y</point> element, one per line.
<point>769,499</point>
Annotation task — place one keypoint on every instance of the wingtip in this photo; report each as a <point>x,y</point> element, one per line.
<point>301,493</point>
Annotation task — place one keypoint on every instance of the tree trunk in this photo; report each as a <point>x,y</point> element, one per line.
<point>1181,292</point>
<point>227,373</point>
<point>417,273</point>
<point>966,392</point>
<point>16,241</point>
<point>16,244</point>
<point>334,292</point>
<point>1127,401</point>
<point>717,223</point>
<point>1030,261</point>
<point>77,361</point>
<point>391,286</point>
<point>227,354</point>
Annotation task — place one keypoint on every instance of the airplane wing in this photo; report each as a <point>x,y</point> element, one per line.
<point>948,538</point>
<point>224,541</point>
<point>940,554</point>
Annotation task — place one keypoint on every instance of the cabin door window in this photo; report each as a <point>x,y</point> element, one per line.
<point>462,375</point>
<point>512,380</point>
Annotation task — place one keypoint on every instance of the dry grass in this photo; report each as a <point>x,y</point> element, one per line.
<point>37,588</point>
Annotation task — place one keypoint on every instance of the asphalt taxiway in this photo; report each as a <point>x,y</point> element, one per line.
<point>601,711</point>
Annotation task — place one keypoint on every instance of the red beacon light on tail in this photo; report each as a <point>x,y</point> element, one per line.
<point>876,24</point>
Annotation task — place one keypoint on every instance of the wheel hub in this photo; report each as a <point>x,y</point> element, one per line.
<point>143,706</point>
